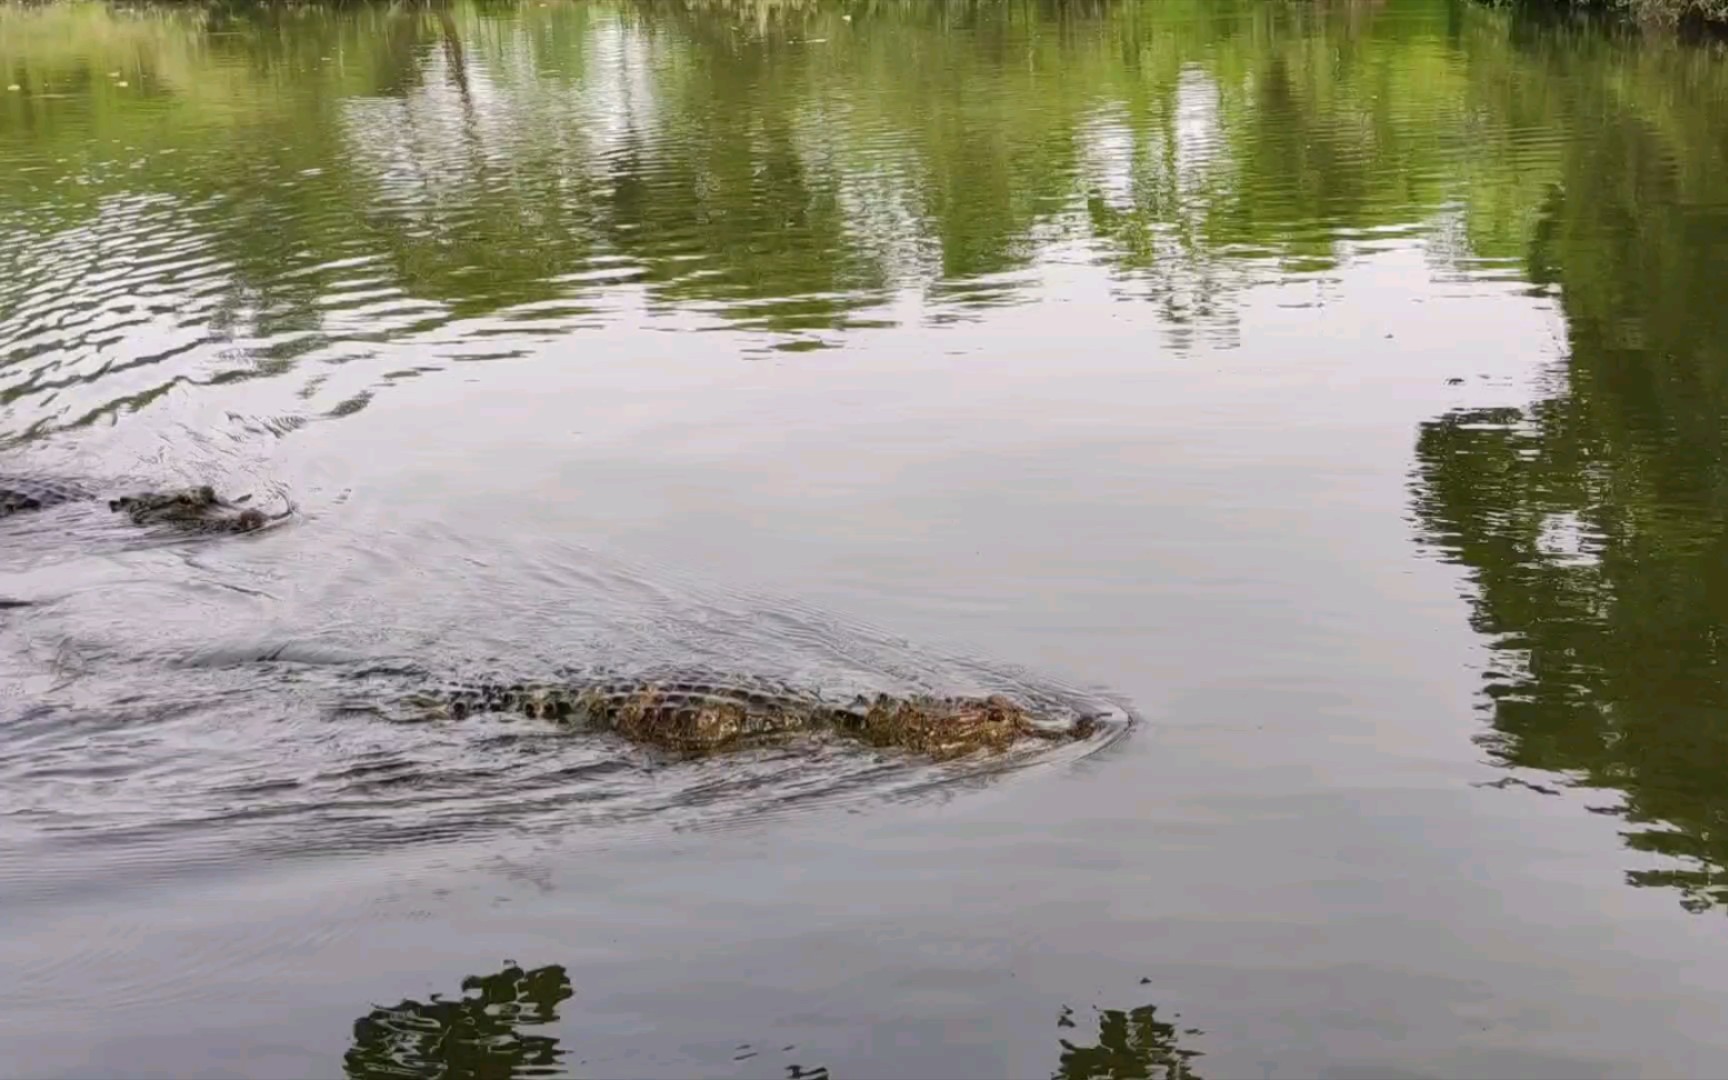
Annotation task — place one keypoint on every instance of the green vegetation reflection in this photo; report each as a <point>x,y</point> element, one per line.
<point>478,1036</point>
<point>268,191</point>
<point>1594,521</point>
<point>1131,1044</point>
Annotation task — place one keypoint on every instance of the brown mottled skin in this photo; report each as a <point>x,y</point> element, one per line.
<point>700,717</point>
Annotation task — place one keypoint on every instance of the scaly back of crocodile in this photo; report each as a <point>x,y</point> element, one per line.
<point>695,715</point>
<point>705,715</point>
<point>187,510</point>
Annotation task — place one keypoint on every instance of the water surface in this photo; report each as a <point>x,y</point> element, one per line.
<point>1336,387</point>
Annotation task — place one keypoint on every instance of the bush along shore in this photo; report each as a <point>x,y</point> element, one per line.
<point>1711,15</point>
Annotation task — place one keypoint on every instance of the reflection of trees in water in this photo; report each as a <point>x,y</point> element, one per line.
<point>1606,606</point>
<point>1594,523</point>
<point>1131,1045</point>
<point>478,158</point>
<point>792,166</point>
<point>476,1037</point>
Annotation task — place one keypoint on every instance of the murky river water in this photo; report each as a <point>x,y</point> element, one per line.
<point>1338,387</point>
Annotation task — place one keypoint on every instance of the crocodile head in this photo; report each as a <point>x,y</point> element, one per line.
<point>195,509</point>
<point>946,727</point>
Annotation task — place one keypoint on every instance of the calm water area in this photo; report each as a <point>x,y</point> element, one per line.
<point>1339,388</point>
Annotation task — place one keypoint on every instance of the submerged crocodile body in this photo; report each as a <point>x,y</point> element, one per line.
<point>194,509</point>
<point>706,715</point>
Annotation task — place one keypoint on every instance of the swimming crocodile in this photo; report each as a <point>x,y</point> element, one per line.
<point>709,715</point>
<point>193,509</point>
